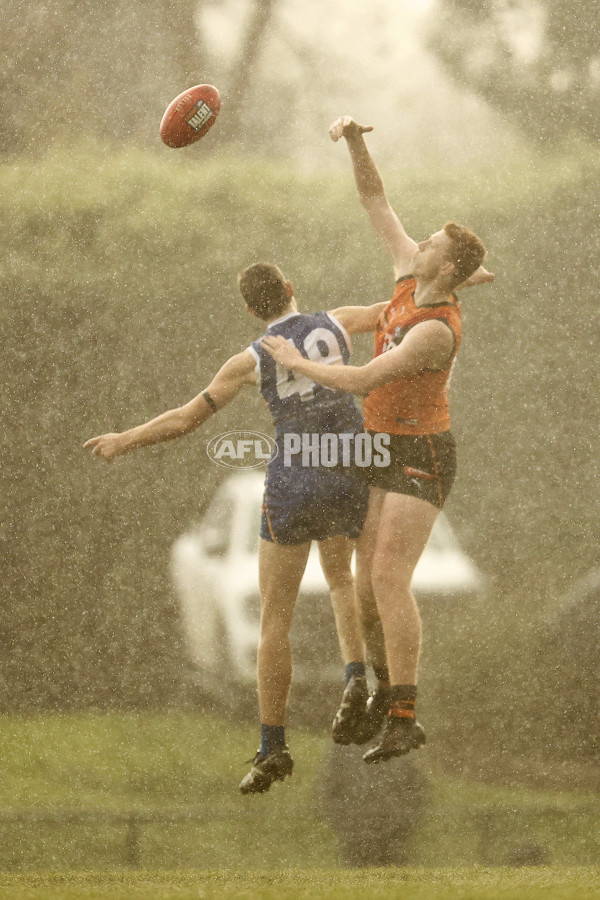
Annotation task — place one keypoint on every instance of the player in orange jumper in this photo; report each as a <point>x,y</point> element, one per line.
<point>406,387</point>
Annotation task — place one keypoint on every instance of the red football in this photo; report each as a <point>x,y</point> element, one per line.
<point>190,115</point>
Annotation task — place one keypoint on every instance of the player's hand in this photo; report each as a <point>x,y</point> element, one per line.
<point>109,446</point>
<point>479,276</point>
<point>345,126</point>
<point>281,350</point>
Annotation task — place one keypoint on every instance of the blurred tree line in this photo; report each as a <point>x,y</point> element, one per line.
<point>537,61</point>
<point>109,70</point>
<point>120,300</point>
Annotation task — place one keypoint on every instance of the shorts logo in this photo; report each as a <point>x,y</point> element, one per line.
<point>418,473</point>
<point>242,449</point>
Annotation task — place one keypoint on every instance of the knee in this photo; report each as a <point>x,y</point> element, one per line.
<point>274,648</point>
<point>339,579</point>
<point>383,582</point>
<point>337,571</point>
<point>274,628</point>
<point>365,596</point>
<point>364,568</point>
<point>389,572</point>
<point>336,561</point>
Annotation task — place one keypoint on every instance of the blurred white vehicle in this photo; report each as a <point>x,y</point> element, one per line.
<point>214,568</point>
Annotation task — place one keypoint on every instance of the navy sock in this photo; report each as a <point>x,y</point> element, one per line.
<point>353,668</point>
<point>271,737</point>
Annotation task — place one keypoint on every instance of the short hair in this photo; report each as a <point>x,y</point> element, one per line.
<point>466,252</point>
<point>263,287</point>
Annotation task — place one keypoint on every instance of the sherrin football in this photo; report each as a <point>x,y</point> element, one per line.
<point>190,115</point>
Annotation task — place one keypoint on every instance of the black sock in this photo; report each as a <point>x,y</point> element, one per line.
<point>382,675</point>
<point>403,698</point>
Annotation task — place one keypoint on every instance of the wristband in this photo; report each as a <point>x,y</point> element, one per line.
<point>210,401</point>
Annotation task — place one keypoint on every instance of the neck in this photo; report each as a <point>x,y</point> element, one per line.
<point>430,292</point>
<point>290,308</point>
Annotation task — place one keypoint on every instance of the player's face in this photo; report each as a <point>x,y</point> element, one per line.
<point>430,256</point>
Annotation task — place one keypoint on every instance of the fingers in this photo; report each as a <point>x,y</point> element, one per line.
<point>482,276</point>
<point>279,348</point>
<point>272,344</point>
<point>336,129</point>
<point>95,446</point>
<point>100,446</point>
<point>345,126</point>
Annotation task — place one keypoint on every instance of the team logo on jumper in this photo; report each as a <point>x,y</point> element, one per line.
<point>242,449</point>
<point>198,115</point>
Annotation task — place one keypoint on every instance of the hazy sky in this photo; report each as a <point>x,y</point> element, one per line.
<point>368,60</point>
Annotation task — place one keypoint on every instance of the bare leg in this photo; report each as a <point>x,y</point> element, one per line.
<point>369,614</point>
<point>280,572</point>
<point>336,559</point>
<point>405,524</point>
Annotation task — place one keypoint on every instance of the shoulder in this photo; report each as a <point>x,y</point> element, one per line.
<point>241,363</point>
<point>447,313</point>
<point>436,329</point>
<point>443,317</point>
<point>434,341</point>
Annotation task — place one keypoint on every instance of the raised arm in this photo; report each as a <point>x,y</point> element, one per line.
<point>427,346</point>
<point>231,377</point>
<point>386,223</point>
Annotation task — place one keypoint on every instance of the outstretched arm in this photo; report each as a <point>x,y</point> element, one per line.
<point>359,318</point>
<point>386,223</point>
<point>479,276</point>
<point>427,346</point>
<point>231,377</point>
<point>371,193</point>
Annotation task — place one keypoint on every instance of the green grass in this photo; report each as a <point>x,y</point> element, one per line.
<point>191,763</point>
<point>374,884</point>
<point>473,824</point>
<point>152,762</point>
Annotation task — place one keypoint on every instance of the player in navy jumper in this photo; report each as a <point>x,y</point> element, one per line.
<point>308,495</point>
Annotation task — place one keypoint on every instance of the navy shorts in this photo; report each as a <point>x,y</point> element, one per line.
<point>422,466</point>
<point>311,504</point>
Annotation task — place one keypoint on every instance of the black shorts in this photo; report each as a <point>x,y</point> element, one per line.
<point>422,466</point>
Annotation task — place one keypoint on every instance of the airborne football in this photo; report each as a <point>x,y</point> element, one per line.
<point>190,115</point>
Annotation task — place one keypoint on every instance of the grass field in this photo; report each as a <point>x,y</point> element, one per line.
<point>472,841</point>
<point>374,884</point>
